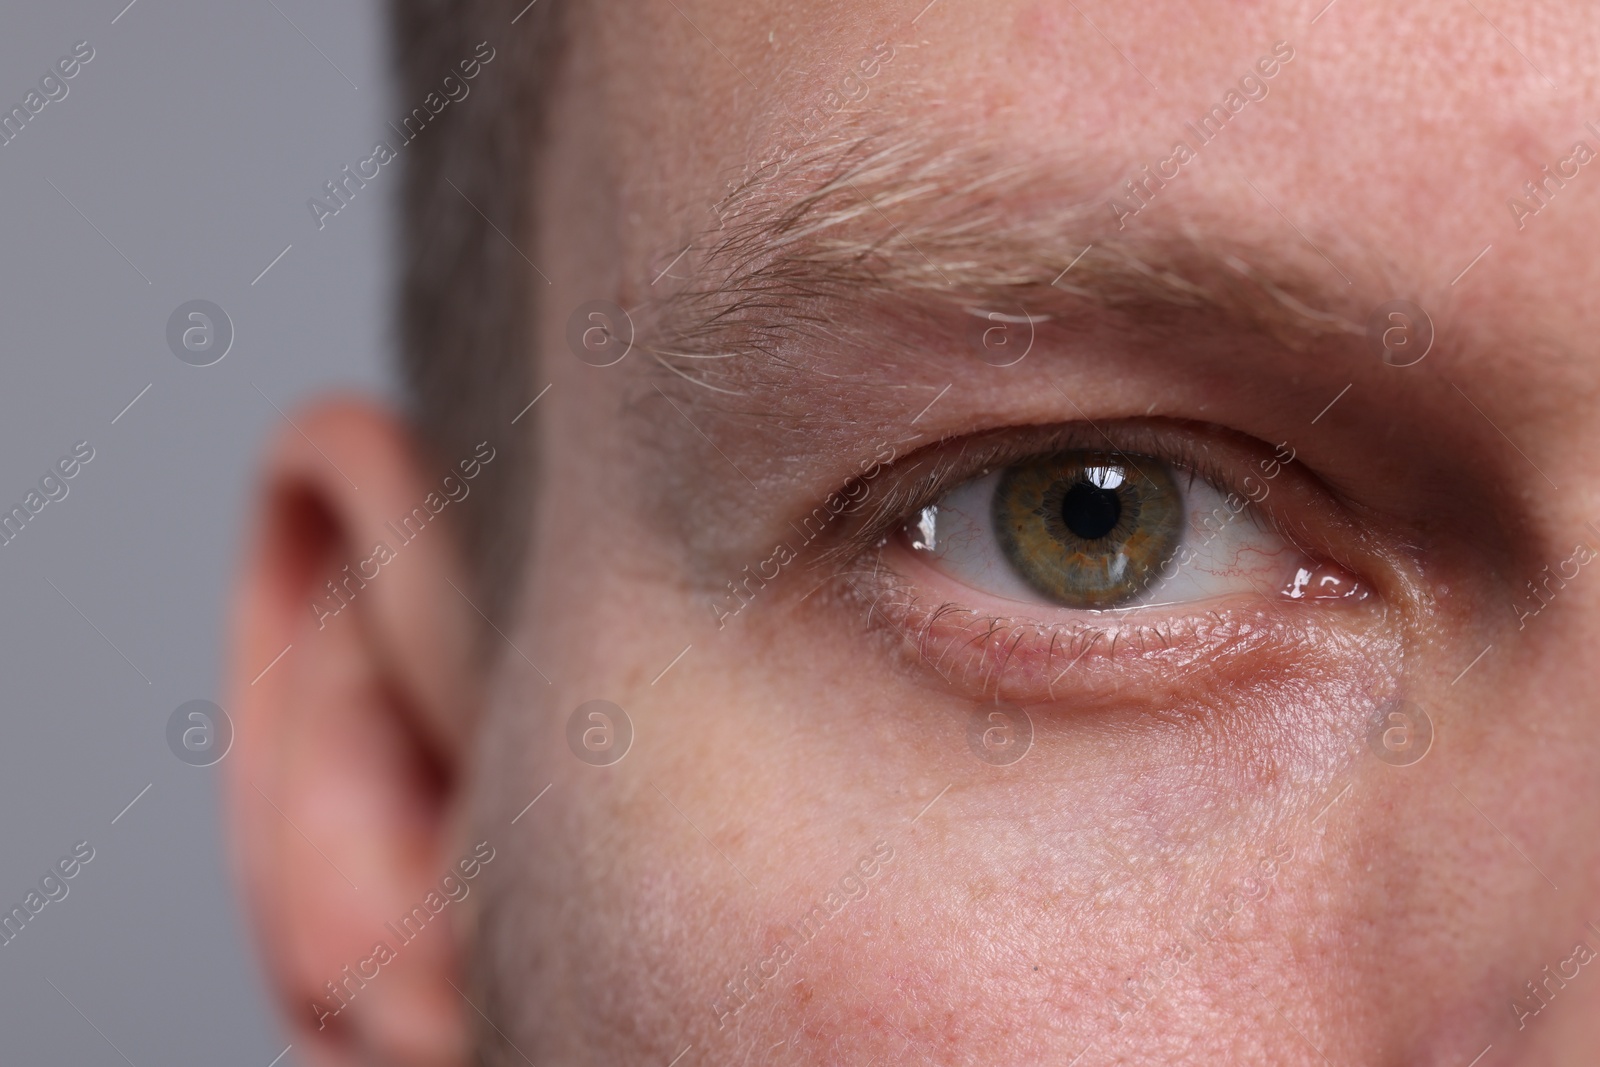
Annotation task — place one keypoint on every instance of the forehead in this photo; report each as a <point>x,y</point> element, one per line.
<point>1394,144</point>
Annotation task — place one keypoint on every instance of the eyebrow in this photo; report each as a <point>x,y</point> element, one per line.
<point>877,218</point>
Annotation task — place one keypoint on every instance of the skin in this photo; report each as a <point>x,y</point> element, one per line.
<point>1202,858</point>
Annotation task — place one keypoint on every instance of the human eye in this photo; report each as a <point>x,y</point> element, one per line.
<point>1141,546</point>
<point>1096,529</point>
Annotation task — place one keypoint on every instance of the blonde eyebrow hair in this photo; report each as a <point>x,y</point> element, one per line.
<point>877,217</point>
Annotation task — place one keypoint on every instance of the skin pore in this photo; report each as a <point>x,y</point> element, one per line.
<point>1202,857</point>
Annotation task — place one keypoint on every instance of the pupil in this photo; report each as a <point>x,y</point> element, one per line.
<point>1089,511</point>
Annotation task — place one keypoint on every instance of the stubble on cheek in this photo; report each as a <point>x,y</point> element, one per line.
<point>1116,874</point>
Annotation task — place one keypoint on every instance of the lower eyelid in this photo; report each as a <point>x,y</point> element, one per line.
<point>1125,655</point>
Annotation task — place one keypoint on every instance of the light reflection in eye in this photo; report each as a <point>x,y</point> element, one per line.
<point>924,536</point>
<point>1104,477</point>
<point>1099,531</point>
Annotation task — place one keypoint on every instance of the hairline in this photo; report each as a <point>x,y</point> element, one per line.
<point>465,324</point>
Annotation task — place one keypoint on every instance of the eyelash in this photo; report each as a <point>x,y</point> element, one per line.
<point>1153,653</point>
<point>968,458</point>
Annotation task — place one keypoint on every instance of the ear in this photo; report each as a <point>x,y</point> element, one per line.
<point>353,697</point>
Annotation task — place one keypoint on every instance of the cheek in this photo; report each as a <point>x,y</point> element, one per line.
<point>1113,857</point>
<point>664,884</point>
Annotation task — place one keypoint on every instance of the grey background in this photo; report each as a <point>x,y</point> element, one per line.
<point>191,141</point>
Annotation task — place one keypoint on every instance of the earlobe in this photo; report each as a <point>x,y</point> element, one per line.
<point>353,695</point>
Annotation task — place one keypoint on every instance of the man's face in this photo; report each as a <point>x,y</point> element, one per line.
<point>1093,541</point>
<point>1231,838</point>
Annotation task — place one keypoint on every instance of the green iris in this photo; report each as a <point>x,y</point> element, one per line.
<point>1088,529</point>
